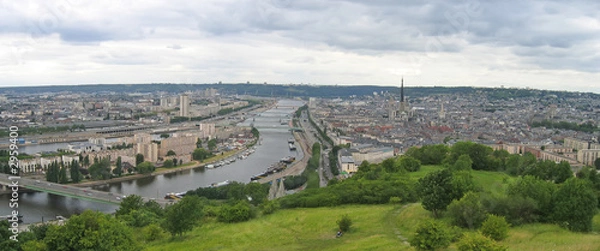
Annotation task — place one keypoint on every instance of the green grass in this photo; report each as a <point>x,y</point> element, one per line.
<point>375,227</point>
<point>550,237</point>
<point>296,229</point>
<point>425,169</point>
<point>492,182</point>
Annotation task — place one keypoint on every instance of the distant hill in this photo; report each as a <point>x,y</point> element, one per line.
<point>278,90</point>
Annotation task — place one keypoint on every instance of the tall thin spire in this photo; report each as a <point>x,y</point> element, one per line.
<point>402,90</point>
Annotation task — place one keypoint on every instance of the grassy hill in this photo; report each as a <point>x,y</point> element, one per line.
<point>375,227</point>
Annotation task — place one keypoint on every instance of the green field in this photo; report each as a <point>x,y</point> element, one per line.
<point>375,227</point>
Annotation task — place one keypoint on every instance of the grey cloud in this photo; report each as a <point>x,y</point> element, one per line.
<point>175,47</point>
<point>533,30</point>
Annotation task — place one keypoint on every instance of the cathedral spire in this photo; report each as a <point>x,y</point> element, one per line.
<point>402,90</point>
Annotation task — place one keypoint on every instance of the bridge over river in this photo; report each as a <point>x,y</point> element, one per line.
<point>7,181</point>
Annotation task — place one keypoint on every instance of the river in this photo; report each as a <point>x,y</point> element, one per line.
<point>37,205</point>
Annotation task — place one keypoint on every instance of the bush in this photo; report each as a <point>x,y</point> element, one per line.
<point>467,212</point>
<point>478,242</point>
<point>395,200</point>
<point>574,205</point>
<point>269,206</point>
<point>409,164</point>
<point>517,210</point>
<point>239,212</point>
<point>431,235</point>
<point>344,223</point>
<point>153,232</point>
<point>495,227</point>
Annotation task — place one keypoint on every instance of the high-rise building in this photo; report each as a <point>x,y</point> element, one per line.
<point>184,104</point>
<point>164,102</point>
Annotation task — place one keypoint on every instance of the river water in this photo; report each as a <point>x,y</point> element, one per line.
<point>36,206</point>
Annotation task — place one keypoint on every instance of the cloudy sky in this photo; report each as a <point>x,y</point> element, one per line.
<point>537,44</point>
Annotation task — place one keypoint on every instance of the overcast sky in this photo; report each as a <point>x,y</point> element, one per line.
<point>542,44</point>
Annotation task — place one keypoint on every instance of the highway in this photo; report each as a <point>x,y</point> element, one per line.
<point>69,191</point>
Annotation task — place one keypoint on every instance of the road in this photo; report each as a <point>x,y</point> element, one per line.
<point>309,131</point>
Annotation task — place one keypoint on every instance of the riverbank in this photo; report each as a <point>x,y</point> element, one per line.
<point>160,171</point>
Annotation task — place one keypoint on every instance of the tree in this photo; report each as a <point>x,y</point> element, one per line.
<point>597,163</point>
<point>145,167</point>
<point>201,154</point>
<point>183,216</point>
<point>53,172</point>
<point>477,152</point>
<point>344,223</point>
<point>118,171</point>
<point>256,192</point>
<point>139,158</point>
<point>574,205</point>
<point>467,212</point>
<point>91,231</point>
<point>212,144</point>
<point>463,162</point>
<point>390,165</point>
<point>6,243</point>
<point>436,191</point>
<point>478,242</point>
<point>409,164</point>
<point>168,163</point>
<point>562,172</point>
<point>128,204</point>
<point>538,190</point>
<point>164,135</point>
<point>74,171</point>
<point>199,143</point>
<point>495,227</point>
<point>86,160</point>
<point>63,179</point>
<point>255,132</point>
<point>100,169</point>
<point>430,235</point>
<point>171,153</point>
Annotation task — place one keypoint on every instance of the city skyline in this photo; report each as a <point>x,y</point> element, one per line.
<point>541,45</point>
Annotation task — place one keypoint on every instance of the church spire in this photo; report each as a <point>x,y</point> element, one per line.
<point>402,90</point>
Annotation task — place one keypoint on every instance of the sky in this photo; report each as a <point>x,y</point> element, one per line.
<point>547,44</point>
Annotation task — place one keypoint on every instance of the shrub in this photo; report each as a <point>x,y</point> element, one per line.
<point>344,223</point>
<point>517,210</point>
<point>239,212</point>
<point>395,200</point>
<point>478,242</point>
<point>495,227</point>
<point>270,206</point>
<point>467,212</point>
<point>153,232</point>
<point>430,235</point>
